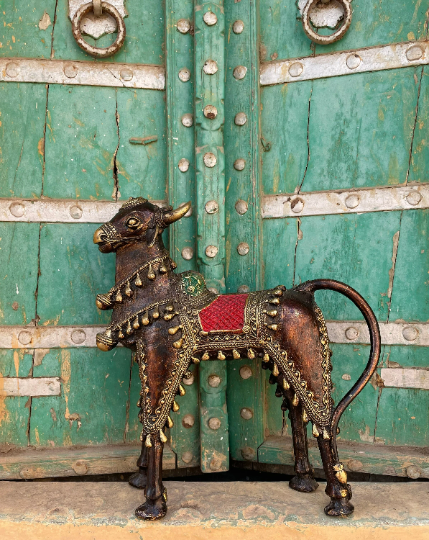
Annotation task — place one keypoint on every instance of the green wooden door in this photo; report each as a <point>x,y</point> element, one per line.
<point>301,161</point>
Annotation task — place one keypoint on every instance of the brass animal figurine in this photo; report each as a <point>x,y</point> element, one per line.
<point>172,320</point>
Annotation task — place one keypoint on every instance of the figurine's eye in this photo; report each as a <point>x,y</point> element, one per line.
<point>133,223</point>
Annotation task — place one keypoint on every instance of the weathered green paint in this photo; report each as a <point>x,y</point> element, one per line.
<point>185,441</point>
<point>70,264</point>
<point>94,398</point>
<point>210,186</point>
<point>18,275</point>
<point>243,142</point>
<point>14,411</point>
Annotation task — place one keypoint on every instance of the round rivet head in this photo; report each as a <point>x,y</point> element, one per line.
<point>211,207</point>
<point>215,464</point>
<point>187,120</point>
<point>296,69</point>
<point>239,164</point>
<point>183,165</point>
<point>246,413</point>
<point>184,74</point>
<point>248,453</point>
<point>210,67</point>
<point>354,465</point>
<point>189,381</point>
<point>210,112</point>
<point>12,69</point>
<point>243,248</point>
<point>80,467</point>
<point>188,421</point>
<point>17,209</point>
<point>187,457</point>
<point>241,207</point>
<point>209,18</point>
<point>214,381</point>
<point>76,211</point>
<point>209,159</point>
<point>353,61</point>
<point>70,71</point>
<point>187,253</point>
<point>211,251</point>
<point>126,74</point>
<point>297,205</point>
<point>238,27</point>
<point>239,72</point>
<point>352,333</point>
<point>25,337</point>
<point>243,289</point>
<point>240,119</point>
<point>246,372</point>
<point>183,26</point>
<point>214,423</point>
<point>413,198</point>
<point>413,472</point>
<point>414,53</point>
<point>410,333</point>
<point>352,201</point>
<point>78,336</point>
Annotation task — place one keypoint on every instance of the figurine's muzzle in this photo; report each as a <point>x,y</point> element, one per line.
<point>105,237</point>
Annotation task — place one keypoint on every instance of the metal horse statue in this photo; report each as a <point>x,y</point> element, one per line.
<point>172,320</point>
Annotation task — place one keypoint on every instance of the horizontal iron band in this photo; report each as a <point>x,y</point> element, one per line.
<point>60,210</point>
<point>53,337</point>
<point>363,200</point>
<point>393,56</point>
<point>30,386</point>
<point>32,70</point>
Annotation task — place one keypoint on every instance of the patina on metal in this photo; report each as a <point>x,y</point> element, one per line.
<point>97,8</point>
<point>308,22</point>
<point>172,320</point>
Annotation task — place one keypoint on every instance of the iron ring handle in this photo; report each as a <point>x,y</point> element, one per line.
<point>90,49</point>
<point>326,40</point>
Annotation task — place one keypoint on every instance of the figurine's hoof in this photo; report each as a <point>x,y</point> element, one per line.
<point>339,507</point>
<point>304,483</point>
<point>137,480</point>
<point>152,510</point>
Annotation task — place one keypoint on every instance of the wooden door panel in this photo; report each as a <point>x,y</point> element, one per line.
<point>94,402</point>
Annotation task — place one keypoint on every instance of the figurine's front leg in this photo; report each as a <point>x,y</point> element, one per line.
<point>138,479</point>
<point>155,506</point>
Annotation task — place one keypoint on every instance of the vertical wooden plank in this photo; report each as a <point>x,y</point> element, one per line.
<point>93,402</point>
<point>242,203</point>
<point>140,170</point>
<point>18,275</point>
<point>420,149</point>
<point>210,184</point>
<point>14,411</point>
<point>185,437</point>
<point>72,272</point>
<point>22,125</point>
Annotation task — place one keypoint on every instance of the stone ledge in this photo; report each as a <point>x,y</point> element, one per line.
<point>197,510</point>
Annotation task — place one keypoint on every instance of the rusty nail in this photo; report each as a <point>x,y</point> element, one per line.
<point>183,165</point>
<point>214,381</point>
<point>214,423</point>
<point>187,120</point>
<point>245,372</point>
<point>183,26</point>
<point>209,159</point>
<point>210,112</point>
<point>210,67</point>
<point>188,421</point>
<point>246,413</point>
<point>211,207</point>
<point>210,18</point>
<point>184,74</point>
<point>187,253</point>
<point>211,251</point>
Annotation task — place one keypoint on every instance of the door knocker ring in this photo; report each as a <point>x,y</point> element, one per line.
<point>338,34</point>
<point>90,49</point>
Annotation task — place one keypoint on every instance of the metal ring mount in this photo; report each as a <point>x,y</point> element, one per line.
<point>338,34</point>
<point>90,49</point>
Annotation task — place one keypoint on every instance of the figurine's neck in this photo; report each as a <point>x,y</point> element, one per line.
<point>131,256</point>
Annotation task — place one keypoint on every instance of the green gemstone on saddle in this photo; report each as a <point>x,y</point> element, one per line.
<point>193,283</point>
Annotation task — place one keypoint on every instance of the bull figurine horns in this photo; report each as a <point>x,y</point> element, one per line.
<point>175,215</point>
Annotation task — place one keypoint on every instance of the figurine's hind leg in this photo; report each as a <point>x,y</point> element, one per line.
<point>337,488</point>
<point>304,479</point>
<point>138,479</point>
<point>155,506</point>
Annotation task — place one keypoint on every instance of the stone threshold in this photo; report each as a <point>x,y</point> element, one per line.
<point>198,510</point>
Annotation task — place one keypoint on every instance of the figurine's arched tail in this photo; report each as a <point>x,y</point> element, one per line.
<point>374,334</point>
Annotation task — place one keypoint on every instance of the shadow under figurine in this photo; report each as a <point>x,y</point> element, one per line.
<point>172,320</point>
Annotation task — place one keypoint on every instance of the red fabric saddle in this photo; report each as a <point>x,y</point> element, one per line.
<point>225,314</point>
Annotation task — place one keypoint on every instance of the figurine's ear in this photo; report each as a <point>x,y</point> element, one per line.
<point>174,215</point>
